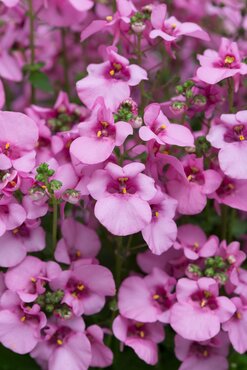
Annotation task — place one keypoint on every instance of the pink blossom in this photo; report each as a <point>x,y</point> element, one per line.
<point>20,325</point>
<point>147,299</point>
<point>158,128</point>
<point>102,356</point>
<point>18,136</point>
<point>141,337</point>
<point>104,79</point>
<point>202,355</point>
<point>189,183</point>
<point>122,196</point>
<point>99,135</point>
<point>85,288</point>
<point>65,342</point>
<point>237,325</point>
<point>217,66</point>
<point>161,233</point>
<point>79,241</point>
<point>194,242</point>
<point>229,137</point>
<point>199,311</point>
<point>170,29</point>
<point>12,214</point>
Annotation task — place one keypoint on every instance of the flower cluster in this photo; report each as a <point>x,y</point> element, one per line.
<point>123,177</point>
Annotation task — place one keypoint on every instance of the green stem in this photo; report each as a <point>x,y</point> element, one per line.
<point>54,223</point>
<point>139,60</point>
<point>230,94</point>
<point>119,262</point>
<point>224,222</point>
<point>65,61</point>
<point>32,42</point>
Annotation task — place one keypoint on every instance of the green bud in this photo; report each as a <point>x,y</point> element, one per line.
<point>209,272</point>
<point>179,89</point>
<point>189,94</point>
<point>210,261</point>
<point>188,84</point>
<point>222,277</point>
<point>49,308</point>
<point>58,296</point>
<point>55,185</point>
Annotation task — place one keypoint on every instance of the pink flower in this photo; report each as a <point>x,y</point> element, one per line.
<point>217,66</point>
<point>85,288</point>
<point>236,327</point>
<point>199,311</point>
<point>189,183</point>
<point>170,29</point>
<point>232,193</point>
<point>102,356</point>
<point>205,355</point>
<point>230,137</point>
<point>158,128</point>
<point>193,241</point>
<point>28,279</point>
<point>106,78</point>
<point>79,241</point>
<point>147,299</point>
<point>20,325</point>
<point>65,342</point>
<point>18,137</point>
<point>12,214</point>
<point>122,196</point>
<point>141,337</point>
<point>161,233</point>
<point>99,135</point>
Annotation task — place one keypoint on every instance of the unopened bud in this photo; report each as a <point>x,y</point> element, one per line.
<point>138,27</point>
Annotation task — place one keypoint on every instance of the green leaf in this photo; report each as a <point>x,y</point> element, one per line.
<point>40,81</point>
<point>11,360</point>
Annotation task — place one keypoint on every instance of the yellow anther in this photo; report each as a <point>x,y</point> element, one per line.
<point>80,287</point>
<point>59,342</point>
<point>163,127</point>
<point>117,66</point>
<point>23,318</point>
<point>67,146</point>
<point>174,25</point>
<point>238,315</point>
<point>13,183</point>
<point>229,59</point>
<point>109,18</point>
<point>7,145</point>
<point>15,231</point>
<point>194,169</point>
<point>196,245</point>
<point>43,187</point>
<point>156,296</point>
<point>139,324</point>
<point>156,214</point>
<point>123,179</point>
<point>124,190</point>
<point>142,334</point>
<point>189,178</point>
<point>241,137</point>
<point>104,123</point>
<point>205,353</point>
<point>203,303</point>
<point>33,280</point>
<point>78,253</point>
<point>74,294</point>
<point>112,72</point>
<point>99,133</point>
<point>207,294</point>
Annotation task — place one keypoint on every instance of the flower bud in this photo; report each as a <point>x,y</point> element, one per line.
<point>138,27</point>
<point>137,122</point>
<point>178,107</point>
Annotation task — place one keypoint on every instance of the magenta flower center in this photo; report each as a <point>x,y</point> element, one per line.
<point>205,298</point>
<point>77,288</point>
<point>161,298</point>
<point>104,129</point>
<point>236,134</point>
<point>117,71</point>
<point>137,330</point>
<point>122,185</point>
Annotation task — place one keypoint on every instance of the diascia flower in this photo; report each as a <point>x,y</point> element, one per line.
<point>217,66</point>
<point>141,337</point>
<point>230,137</point>
<point>18,137</point>
<point>159,128</point>
<point>199,312</point>
<point>104,79</point>
<point>170,29</point>
<point>99,135</point>
<point>122,195</point>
